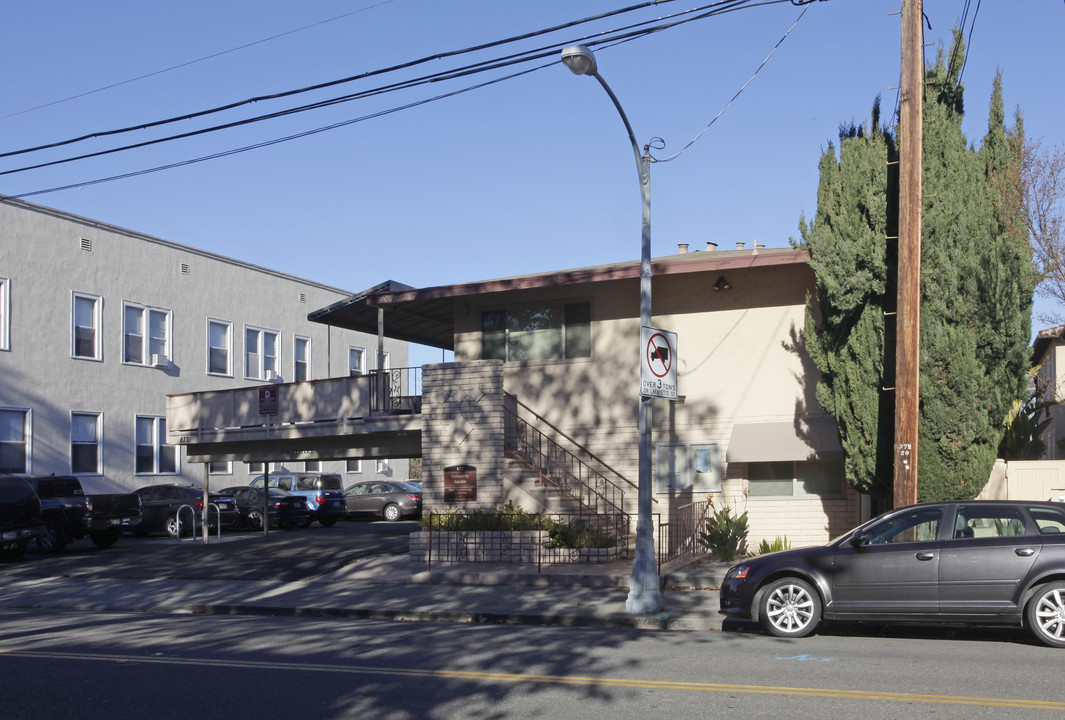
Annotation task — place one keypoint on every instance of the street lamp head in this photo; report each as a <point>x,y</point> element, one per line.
<point>580,60</point>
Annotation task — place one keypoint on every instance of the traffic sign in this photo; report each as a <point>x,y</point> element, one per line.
<point>658,363</point>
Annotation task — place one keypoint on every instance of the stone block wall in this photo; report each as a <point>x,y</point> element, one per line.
<point>462,411</point>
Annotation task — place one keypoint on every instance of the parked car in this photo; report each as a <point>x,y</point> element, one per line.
<point>70,514</point>
<point>21,519</point>
<point>160,505</point>
<point>285,510</point>
<point>391,499</point>
<point>973,562</point>
<point>324,493</point>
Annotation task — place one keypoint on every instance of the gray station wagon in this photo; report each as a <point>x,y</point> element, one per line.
<point>973,562</point>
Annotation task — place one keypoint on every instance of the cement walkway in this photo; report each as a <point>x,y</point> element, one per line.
<point>394,588</point>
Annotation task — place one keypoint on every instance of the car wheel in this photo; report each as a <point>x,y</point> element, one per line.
<point>391,512</point>
<point>1046,614</point>
<point>105,538</point>
<point>327,521</point>
<point>789,608</point>
<point>255,520</point>
<point>307,522</point>
<point>53,540</point>
<point>172,527</point>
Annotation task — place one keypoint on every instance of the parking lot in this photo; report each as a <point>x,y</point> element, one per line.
<point>241,555</point>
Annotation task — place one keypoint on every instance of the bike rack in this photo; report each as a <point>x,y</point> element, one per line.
<point>218,525</point>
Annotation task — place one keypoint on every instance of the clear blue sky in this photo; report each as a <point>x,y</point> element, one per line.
<point>530,174</point>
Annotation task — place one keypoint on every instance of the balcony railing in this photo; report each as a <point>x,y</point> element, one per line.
<point>401,393</point>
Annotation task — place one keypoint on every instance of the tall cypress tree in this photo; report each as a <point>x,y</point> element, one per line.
<point>977,285</point>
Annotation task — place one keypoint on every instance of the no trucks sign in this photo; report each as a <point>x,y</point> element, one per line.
<point>658,363</point>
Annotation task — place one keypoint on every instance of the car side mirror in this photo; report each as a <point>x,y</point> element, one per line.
<point>859,540</point>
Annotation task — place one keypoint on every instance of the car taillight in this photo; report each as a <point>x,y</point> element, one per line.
<point>198,504</point>
<point>415,498</point>
<point>277,505</point>
<point>319,499</point>
<point>88,506</point>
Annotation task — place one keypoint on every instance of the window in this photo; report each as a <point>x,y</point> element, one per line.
<point>1050,521</point>
<point>919,525</point>
<point>14,441</point>
<point>301,358</point>
<point>258,468</point>
<point>85,434</point>
<point>260,354</point>
<point>145,334</point>
<point>312,466</point>
<point>218,348</point>
<point>86,321</point>
<point>154,455</point>
<point>220,467</point>
<point>382,466</point>
<point>356,361</point>
<point>353,466</point>
<point>820,477</point>
<point>537,332</point>
<point>980,522</point>
<point>689,467</point>
<point>5,314</point>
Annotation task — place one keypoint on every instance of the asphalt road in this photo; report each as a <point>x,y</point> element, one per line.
<point>181,666</point>
<point>286,555</point>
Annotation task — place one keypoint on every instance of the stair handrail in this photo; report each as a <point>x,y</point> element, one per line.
<point>576,444</point>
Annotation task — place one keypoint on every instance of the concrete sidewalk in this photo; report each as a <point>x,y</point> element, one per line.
<point>394,588</point>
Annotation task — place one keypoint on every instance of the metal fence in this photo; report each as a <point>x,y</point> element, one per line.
<point>681,537</point>
<point>534,539</point>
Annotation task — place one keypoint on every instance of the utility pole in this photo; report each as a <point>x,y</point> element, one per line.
<point>908,330</point>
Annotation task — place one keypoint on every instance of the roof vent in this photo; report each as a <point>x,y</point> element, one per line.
<point>740,244</point>
<point>682,248</point>
<point>711,246</point>
<point>185,269</point>
<point>86,244</point>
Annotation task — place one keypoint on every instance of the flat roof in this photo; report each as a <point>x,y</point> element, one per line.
<point>427,315</point>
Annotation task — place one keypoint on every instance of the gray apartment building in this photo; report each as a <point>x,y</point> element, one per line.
<point>99,324</point>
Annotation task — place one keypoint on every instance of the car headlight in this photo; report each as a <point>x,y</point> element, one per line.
<point>738,572</point>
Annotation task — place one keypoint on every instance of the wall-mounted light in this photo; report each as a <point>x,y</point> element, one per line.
<point>722,284</point>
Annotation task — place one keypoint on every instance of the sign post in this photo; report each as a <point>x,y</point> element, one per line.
<point>658,363</point>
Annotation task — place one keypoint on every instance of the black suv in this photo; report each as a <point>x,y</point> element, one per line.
<point>20,516</point>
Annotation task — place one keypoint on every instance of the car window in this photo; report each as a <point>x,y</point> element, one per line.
<point>358,489</point>
<point>988,521</point>
<point>329,482</point>
<point>1050,521</point>
<point>917,525</point>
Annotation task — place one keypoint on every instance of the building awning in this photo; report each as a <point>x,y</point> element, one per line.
<point>799,439</point>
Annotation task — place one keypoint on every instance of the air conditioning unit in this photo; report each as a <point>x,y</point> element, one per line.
<point>160,360</point>
<point>271,376</point>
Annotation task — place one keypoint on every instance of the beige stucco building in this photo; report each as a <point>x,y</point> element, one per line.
<point>553,360</point>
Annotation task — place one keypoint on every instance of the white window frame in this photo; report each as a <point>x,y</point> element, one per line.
<point>5,313</point>
<point>688,467</point>
<point>27,439</point>
<point>361,369</point>
<point>146,312</point>
<point>798,488</point>
<point>97,325</point>
<point>228,346</point>
<point>387,360</point>
<point>225,467</point>
<point>262,367</point>
<point>382,466</point>
<point>157,446</point>
<point>297,341</point>
<point>259,468</point>
<point>97,442</point>
<point>358,466</point>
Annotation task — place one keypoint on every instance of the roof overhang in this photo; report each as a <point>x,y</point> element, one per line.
<point>427,315</point>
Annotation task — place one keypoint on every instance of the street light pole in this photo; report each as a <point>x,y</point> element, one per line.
<point>645,592</point>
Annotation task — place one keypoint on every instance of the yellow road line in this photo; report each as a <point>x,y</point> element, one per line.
<point>563,680</point>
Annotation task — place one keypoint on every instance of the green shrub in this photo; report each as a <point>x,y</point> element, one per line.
<point>576,534</point>
<point>779,543</point>
<point>725,533</point>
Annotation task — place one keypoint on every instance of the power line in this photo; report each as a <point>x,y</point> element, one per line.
<point>193,62</point>
<point>619,37</point>
<point>344,80</point>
